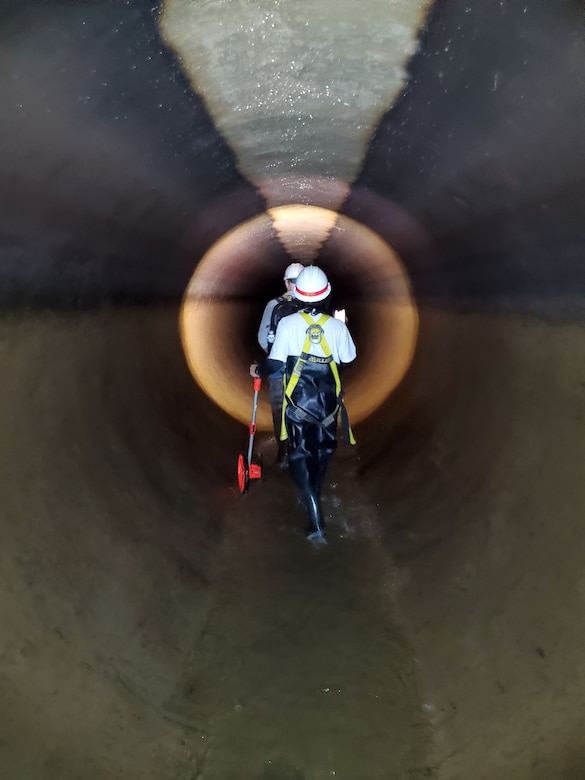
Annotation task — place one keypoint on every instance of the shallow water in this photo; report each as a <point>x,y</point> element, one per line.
<point>181,609</point>
<point>156,623</point>
<point>302,660</point>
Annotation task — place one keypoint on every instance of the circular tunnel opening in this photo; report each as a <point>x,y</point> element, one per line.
<point>224,300</point>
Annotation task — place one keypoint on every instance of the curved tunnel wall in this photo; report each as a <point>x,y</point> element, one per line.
<point>217,318</point>
<point>114,183</point>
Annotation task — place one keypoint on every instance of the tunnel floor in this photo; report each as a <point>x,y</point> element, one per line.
<point>305,669</point>
<point>158,624</point>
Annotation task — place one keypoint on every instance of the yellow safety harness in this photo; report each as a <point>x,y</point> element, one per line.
<point>316,334</point>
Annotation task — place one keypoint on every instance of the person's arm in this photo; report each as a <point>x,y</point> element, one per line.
<point>274,365</point>
<point>265,325</point>
<point>346,348</point>
<point>268,368</point>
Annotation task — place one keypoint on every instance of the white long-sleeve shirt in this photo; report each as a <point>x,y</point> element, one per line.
<point>264,328</point>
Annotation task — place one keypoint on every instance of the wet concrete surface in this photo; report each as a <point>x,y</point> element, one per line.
<point>486,533</point>
<point>147,602</point>
<point>158,624</point>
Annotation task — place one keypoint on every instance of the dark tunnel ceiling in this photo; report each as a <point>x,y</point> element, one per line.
<point>114,180</point>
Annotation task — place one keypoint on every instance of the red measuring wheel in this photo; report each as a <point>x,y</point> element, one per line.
<point>246,469</point>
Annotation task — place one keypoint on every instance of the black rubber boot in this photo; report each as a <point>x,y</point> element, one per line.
<point>316,530</point>
<point>318,477</point>
<point>282,457</point>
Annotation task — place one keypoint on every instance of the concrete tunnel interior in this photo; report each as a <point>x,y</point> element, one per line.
<point>154,623</point>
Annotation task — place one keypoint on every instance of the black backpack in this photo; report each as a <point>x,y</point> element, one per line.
<point>283,308</point>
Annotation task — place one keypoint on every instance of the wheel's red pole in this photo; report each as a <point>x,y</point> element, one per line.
<point>257,386</point>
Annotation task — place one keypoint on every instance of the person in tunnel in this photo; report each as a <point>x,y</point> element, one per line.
<point>275,310</point>
<point>309,349</point>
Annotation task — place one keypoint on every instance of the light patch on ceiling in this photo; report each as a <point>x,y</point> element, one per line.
<point>302,230</point>
<point>295,86</point>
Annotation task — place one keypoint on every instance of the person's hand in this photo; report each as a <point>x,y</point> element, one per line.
<point>254,370</point>
<point>339,314</point>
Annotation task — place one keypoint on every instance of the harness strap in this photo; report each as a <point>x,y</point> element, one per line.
<point>345,424</point>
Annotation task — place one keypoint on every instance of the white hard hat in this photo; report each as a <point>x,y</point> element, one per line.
<point>312,285</point>
<point>292,271</point>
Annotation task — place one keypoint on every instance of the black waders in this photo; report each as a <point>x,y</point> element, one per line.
<point>312,402</point>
